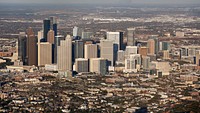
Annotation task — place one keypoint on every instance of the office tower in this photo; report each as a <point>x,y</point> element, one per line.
<point>77,32</point>
<point>151,46</point>
<point>107,51</point>
<point>130,50</point>
<point>78,49</point>
<point>31,48</point>
<point>156,45</point>
<point>166,54</point>
<point>53,24</point>
<point>117,38</point>
<point>56,44</point>
<point>46,28</point>
<point>87,35</point>
<point>133,63</point>
<point>143,51</point>
<point>44,53</point>
<point>120,56</point>
<point>146,62</point>
<point>131,37</point>
<point>64,54</point>
<point>90,51</point>
<point>98,65</point>
<point>22,47</point>
<point>50,37</point>
<point>81,65</point>
<point>40,35</point>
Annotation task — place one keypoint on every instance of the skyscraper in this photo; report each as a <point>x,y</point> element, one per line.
<point>151,46</point>
<point>56,44</point>
<point>64,54</point>
<point>44,53</point>
<point>50,37</point>
<point>130,36</point>
<point>107,51</point>
<point>98,65</point>
<point>81,65</point>
<point>31,47</point>
<point>22,47</point>
<point>143,51</point>
<point>78,49</point>
<point>117,38</point>
<point>53,24</point>
<point>146,62</point>
<point>130,50</point>
<point>46,28</point>
<point>90,51</point>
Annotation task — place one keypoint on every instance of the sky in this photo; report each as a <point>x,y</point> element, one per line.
<point>103,1</point>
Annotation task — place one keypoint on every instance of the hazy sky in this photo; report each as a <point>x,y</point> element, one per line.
<point>105,1</point>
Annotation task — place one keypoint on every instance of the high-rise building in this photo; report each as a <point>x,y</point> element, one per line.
<point>56,44</point>
<point>46,28</point>
<point>116,38</point>
<point>107,51</point>
<point>131,37</point>
<point>151,46</point>
<point>133,63</point>
<point>98,65</point>
<point>31,48</point>
<point>143,51</point>
<point>90,51</point>
<point>40,35</point>
<point>130,50</point>
<point>78,49</point>
<point>53,24</point>
<point>50,37</point>
<point>146,62</point>
<point>81,65</point>
<point>77,32</point>
<point>44,53</point>
<point>22,47</point>
<point>120,56</point>
<point>64,54</point>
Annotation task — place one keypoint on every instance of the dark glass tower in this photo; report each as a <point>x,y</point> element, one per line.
<point>22,47</point>
<point>46,28</point>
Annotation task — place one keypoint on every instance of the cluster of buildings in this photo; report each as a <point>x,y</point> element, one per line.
<point>83,53</point>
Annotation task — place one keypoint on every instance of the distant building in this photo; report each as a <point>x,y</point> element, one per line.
<point>64,54</point>
<point>143,51</point>
<point>31,46</point>
<point>22,39</point>
<point>133,63</point>
<point>151,46</point>
<point>46,28</point>
<point>50,37</point>
<point>98,65</point>
<point>87,35</point>
<point>44,53</point>
<point>107,51</point>
<point>120,56</point>
<point>78,49</point>
<point>77,32</point>
<point>131,37</point>
<point>116,38</point>
<point>90,51</point>
<point>81,65</point>
<point>131,50</point>
<point>146,62</point>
